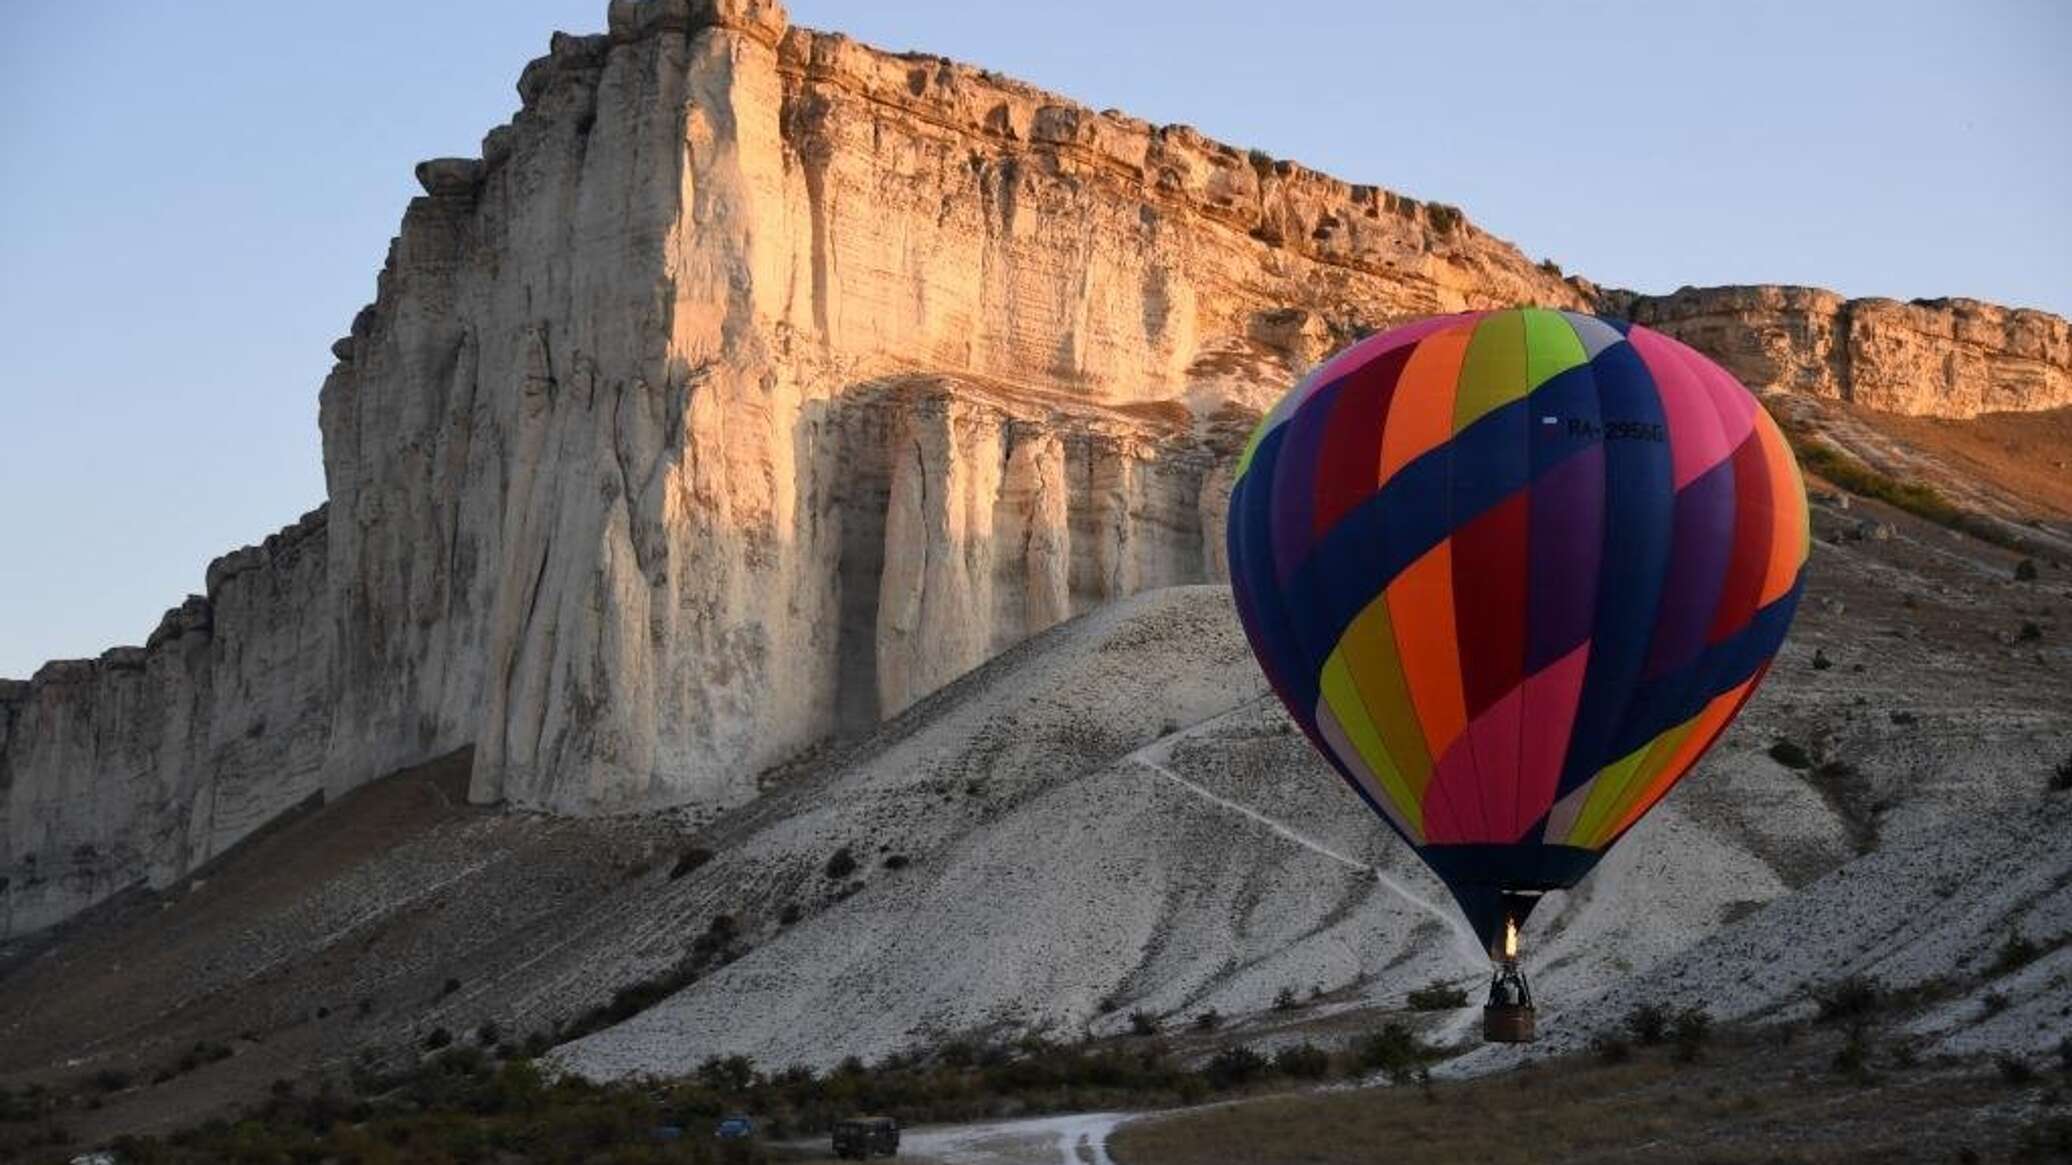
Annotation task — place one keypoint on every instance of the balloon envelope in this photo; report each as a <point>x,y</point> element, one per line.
<point>1513,572</point>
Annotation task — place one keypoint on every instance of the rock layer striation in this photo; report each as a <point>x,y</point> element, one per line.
<point>754,383</point>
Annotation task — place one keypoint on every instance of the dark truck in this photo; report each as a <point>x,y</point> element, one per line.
<point>866,1136</point>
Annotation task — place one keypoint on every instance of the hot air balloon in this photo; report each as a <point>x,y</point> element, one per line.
<point>1513,572</point>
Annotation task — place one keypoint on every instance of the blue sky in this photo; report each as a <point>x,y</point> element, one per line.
<point>196,196</point>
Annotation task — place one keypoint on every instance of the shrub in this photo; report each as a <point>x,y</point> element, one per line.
<point>451,986</point>
<point>1284,999</point>
<point>1611,1049</point>
<point>1233,1066</point>
<point>1437,996</point>
<point>1303,1061</point>
<point>1853,1059</point>
<point>2014,954</point>
<point>1852,998</point>
<point>2061,777</point>
<point>1394,1051</point>
<point>1992,1003</point>
<point>2025,570</point>
<point>842,864</point>
<point>1690,1030</point>
<point>2030,632</point>
<point>689,860</point>
<point>1820,660</point>
<point>788,915</point>
<point>2014,1069</point>
<point>1648,1023</point>
<point>897,862</point>
<point>1143,1023</point>
<point>439,1038</point>
<point>487,1034</point>
<point>111,1080</point>
<point>2049,1139</point>
<point>1904,718</point>
<point>1790,755</point>
<point>1208,1021</point>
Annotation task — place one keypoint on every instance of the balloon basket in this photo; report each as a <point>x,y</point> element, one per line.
<point>1508,1024</point>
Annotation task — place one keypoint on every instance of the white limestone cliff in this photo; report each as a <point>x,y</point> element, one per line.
<point>750,386</point>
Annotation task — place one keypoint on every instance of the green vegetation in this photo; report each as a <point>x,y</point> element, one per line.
<point>461,1105</point>
<point>1437,996</point>
<point>841,864</point>
<point>1649,1024</point>
<point>689,860</point>
<point>1396,1052</point>
<point>1790,755</point>
<point>2015,1070</point>
<point>1689,1031</point>
<point>1855,998</point>
<point>2017,952</point>
<point>1860,479</point>
<point>1917,498</point>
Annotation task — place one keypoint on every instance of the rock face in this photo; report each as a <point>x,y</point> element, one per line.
<point>758,382</point>
<point>1942,357</point>
<point>148,761</point>
<point>750,386</point>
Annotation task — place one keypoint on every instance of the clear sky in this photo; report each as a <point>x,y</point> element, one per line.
<point>194,197</point>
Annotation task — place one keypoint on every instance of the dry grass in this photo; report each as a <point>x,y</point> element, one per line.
<point>1749,1100</point>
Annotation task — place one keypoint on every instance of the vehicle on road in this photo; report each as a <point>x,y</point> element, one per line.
<point>866,1136</point>
<point>735,1128</point>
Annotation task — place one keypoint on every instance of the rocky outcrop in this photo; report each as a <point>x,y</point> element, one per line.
<point>751,385</point>
<point>617,487</point>
<point>1939,357</point>
<point>140,765</point>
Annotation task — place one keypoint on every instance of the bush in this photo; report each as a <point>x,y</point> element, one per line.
<point>2030,632</point>
<point>2061,777</point>
<point>1437,996</point>
<point>111,1080</point>
<point>898,862</point>
<point>1611,1049</point>
<point>1853,1059</point>
<point>842,864</point>
<point>1820,660</point>
<point>2014,1069</point>
<point>1394,1051</point>
<point>689,860</point>
<point>1690,1030</point>
<point>1208,1021</point>
<point>451,986</point>
<point>1853,998</point>
<point>1992,1003</point>
<point>2025,570</point>
<point>1304,1061</point>
<point>1790,755</point>
<point>1233,1066</point>
<point>1143,1023</point>
<point>1649,1024</point>
<point>1284,999</point>
<point>439,1038</point>
<point>2014,954</point>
